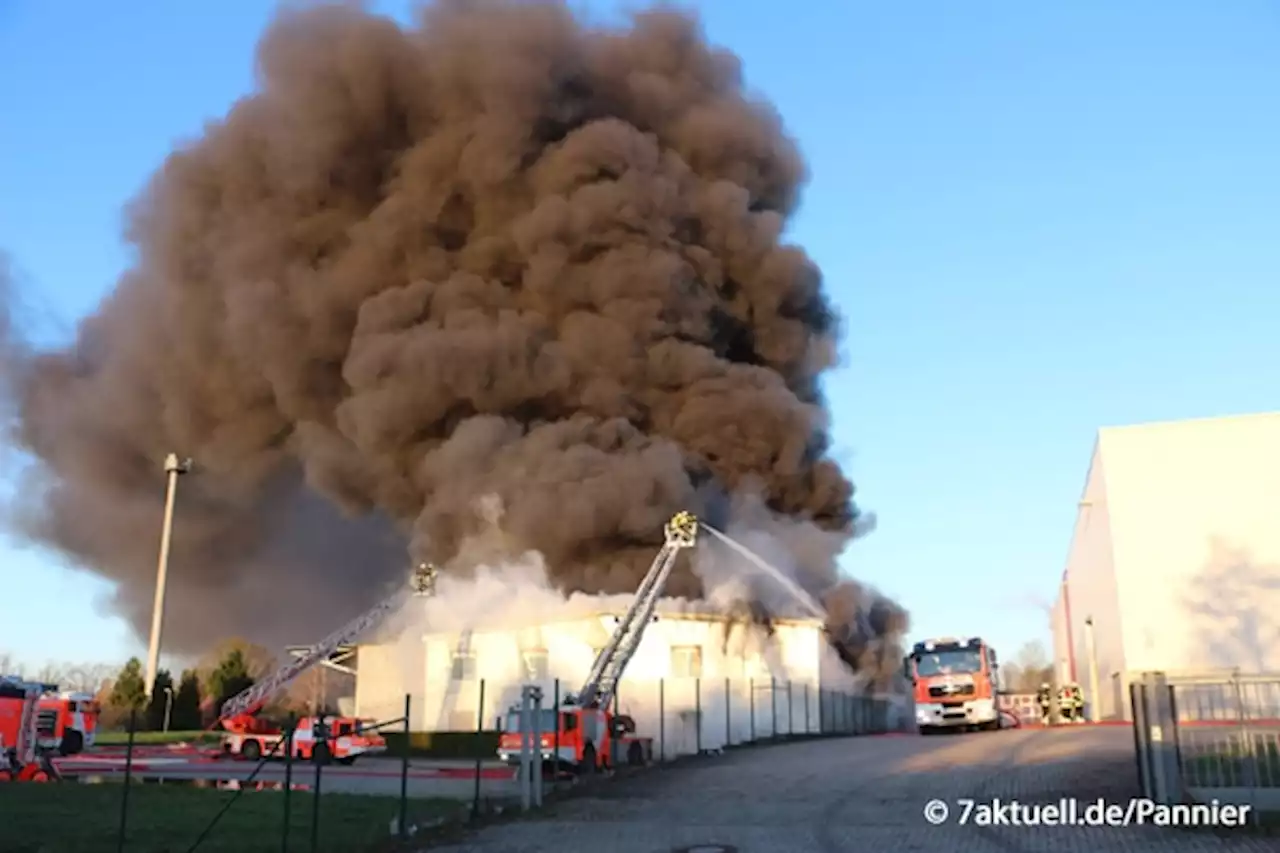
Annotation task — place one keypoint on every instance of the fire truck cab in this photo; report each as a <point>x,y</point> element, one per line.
<point>67,722</point>
<point>955,684</point>
<point>577,740</point>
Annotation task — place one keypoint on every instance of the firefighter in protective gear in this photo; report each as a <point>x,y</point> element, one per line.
<point>1042,699</point>
<point>1071,700</point>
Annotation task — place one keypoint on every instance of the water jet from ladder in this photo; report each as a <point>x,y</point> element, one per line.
<point>797,592</point>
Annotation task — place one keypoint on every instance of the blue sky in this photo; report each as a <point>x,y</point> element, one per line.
<point>1037,218</point>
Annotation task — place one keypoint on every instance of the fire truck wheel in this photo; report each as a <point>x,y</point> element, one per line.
<point>251,750</point>
<point>588,763</point>
<point>320,755</point>
<point>72,743</point>
<point>348,761</point>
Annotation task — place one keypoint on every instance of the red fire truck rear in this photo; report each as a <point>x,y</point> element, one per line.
<point>955,684</point>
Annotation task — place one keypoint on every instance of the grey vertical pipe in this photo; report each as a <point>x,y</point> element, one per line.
<point>1091,650</point>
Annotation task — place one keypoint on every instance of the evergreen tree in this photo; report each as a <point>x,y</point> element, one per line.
<point>129,690</point>
<point>185,715</point>
<point>229,677</point>
<point>159,701</point>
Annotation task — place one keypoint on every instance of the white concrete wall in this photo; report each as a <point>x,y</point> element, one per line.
<point>1092,591</point>
<point>781,678</point>
<point>1176,552</point>
<point>1196,507</point>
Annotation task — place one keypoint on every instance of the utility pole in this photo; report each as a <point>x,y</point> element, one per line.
<point>173,468</point>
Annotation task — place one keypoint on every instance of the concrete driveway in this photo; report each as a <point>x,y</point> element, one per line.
<point>862,794</point>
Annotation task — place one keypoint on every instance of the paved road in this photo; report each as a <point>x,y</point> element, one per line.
<point>368,776</point>
<point>861,794</point>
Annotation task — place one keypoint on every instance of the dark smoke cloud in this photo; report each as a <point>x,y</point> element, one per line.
<point>498,253</point>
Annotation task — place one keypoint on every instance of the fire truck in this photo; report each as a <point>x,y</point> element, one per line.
<point>317,738</point>
<point>21,759</point>
<point>587,735</point>
<point>67,721</point>
<point>955,684</point>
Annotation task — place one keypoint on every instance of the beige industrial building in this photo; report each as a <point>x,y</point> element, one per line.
<point>1175,557</point>
<point>697,680</point>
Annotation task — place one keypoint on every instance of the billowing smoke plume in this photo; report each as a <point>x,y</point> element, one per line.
<point>498,253</point>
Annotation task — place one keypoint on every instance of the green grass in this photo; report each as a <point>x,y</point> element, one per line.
<point>154,738</point>
<point>67,817</point>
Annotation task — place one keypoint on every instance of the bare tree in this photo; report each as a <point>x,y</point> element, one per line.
<point>1029,668</point>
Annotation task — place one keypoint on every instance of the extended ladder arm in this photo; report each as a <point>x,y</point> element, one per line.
<point>253,698</point>
<point>680,532</point>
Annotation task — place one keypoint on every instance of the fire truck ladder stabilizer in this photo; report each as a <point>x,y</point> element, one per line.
<point>680,532</point>
<point>249,700</point>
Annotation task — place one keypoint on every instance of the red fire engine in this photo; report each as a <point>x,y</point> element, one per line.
<point>21,759</point>
<point>955,684</point>
<point>67,722</point>
<point>588,736</point>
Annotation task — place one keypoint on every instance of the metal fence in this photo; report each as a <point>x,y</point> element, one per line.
<point>143,799</point>
<point>1205,736</point>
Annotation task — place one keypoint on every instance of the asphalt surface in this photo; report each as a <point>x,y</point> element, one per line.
<point>863,794</point>
<point>379,776</point>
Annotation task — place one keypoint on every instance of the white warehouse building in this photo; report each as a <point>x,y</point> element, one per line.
<point>697,681</point>
<point>1175,557</point>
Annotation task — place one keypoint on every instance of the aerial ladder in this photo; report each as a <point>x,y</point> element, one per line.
<point>238,714</point>
<point>681,532</point>
<point>586,732</point>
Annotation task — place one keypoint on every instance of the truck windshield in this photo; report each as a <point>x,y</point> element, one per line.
<point>949,662</point>
<point>546,721</point>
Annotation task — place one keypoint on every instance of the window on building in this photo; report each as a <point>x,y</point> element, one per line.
<point>535,664</point>
<point>464,666</point>
<point>686,661</point>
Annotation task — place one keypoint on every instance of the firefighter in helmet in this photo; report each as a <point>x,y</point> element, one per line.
<point>1042,699</point>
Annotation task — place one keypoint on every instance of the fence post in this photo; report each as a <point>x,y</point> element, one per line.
<point>1141,733</point>
<point>773,703</point>
<point>751,698</point>
<point>613,741</point>
<point>128,778</point>
<point>1164,758</point>
<point>807,729</point>
<point>791,711</point>
<point>697,716</point>
<point>321,729</point>
<point>662,719</point>
<point>288,782</point>
<point>555,756</point>
<point>728,717</point>
<point>404,775</point>
<point>475,795</point>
